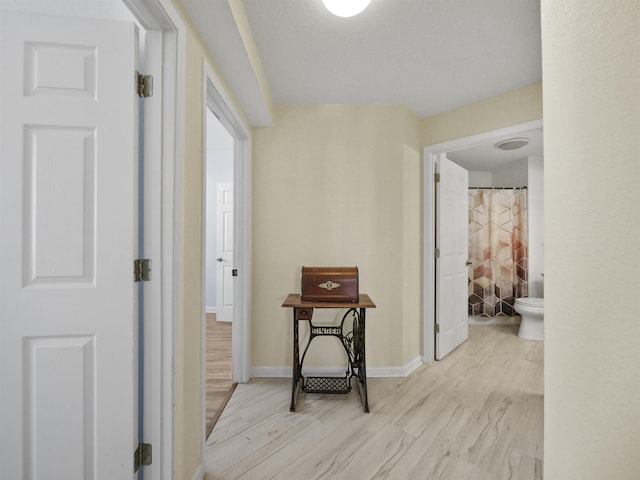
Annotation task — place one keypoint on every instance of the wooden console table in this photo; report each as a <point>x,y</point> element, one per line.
<point>352,342</point>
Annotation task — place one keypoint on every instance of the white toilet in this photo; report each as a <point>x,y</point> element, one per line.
<point>532,311</point>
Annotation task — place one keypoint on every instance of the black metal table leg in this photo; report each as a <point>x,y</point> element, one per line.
<point>296,374</point>
<point>353,343</point>
<point>359,364</point>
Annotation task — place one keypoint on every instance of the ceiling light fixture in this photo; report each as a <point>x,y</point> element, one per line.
<point>346,8</point>
<point>512,143</point>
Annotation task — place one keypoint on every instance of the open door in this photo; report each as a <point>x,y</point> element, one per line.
<point>452,238</point>
<point>68,196</point>
<point>224,253</point>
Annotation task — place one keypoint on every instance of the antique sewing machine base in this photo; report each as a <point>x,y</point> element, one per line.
<point>352,342</point>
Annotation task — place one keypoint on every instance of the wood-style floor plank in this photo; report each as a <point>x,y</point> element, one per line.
<point>219,386</point>
<point>477,414</point>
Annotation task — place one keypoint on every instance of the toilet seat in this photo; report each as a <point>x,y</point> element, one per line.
<point>530,301</point>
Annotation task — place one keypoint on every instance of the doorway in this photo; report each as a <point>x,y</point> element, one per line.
<point>485,140</point>
<point>219,158</point>
<point>235,257</point>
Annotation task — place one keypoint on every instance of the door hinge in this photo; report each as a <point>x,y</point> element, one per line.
<point>144,85</point>
<point>142,456</point>
<point>436,252</point>
<point>234,272</point>
<point>436,178</point>
<point>436,327</point>
<point>142,270</point>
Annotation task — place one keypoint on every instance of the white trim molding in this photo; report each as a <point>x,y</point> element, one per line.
<point>167,36</point>
<point>221,105</point>
<point>498,320</point>
<point>372,372</point>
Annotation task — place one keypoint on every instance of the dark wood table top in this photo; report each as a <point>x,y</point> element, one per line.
<point>293,300</point>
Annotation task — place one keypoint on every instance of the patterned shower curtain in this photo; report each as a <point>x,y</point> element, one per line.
<point>498,250</point>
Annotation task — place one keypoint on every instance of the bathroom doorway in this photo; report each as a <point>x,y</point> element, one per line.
<point>488,166</point>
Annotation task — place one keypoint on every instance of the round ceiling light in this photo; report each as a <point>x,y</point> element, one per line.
<point>346,8</point>
<point>512,143</point>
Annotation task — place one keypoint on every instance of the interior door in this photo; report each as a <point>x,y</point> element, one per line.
<point>67,213</point>
<point>452,237</point>
<point>224,253</point>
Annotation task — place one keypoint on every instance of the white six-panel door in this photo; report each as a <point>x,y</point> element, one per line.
<point>452,238</point>
<point>224,252</point>
<point>67,219</point>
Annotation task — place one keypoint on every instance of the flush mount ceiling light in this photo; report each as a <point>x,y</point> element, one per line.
<point>346,8</point>
<point>512,143</point>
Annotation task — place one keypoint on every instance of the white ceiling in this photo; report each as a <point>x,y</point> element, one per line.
<point>429,55</point>
<point>487,157</point>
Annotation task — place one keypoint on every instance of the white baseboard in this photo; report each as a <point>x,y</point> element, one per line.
<point>199,473</point>
<point>412,365</point>
<point>285,372</point>
<point>213,310</point>
<point>271,372</point>
<point>498,320</point>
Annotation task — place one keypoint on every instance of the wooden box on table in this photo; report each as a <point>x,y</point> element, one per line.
<point>329,284</point>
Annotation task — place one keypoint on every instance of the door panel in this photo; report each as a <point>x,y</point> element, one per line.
<point>67,196</point>
<point>224,253</point>
<point>452,236</point>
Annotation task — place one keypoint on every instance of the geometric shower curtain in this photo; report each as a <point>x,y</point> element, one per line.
<point>498,250</point>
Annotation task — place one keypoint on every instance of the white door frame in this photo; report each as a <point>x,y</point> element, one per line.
<point>220,103</point>
<point>217,99</point>
<point>428,234</point>
<point>163,196</point>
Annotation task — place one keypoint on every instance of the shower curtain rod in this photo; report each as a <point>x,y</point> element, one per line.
<point>497,188</point>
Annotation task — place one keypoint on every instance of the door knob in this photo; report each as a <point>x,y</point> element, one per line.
<point>219,259</point>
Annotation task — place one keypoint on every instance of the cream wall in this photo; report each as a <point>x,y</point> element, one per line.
<point>412,248</point>
<point>591,75</point>
<point>188,421</point>
<point>535,212</point>
<point>325,173</point>
<point>338,185</point>
<point>520,106</point>
<point>188,402</point>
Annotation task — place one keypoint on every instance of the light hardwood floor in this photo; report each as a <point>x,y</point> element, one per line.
<point>219,386</point>
<point>476,415</point>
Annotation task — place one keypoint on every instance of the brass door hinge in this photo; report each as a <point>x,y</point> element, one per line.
<point>142,456</point>
<point>144,85</point>
<point>436,327</point>
<point>142,270</point>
